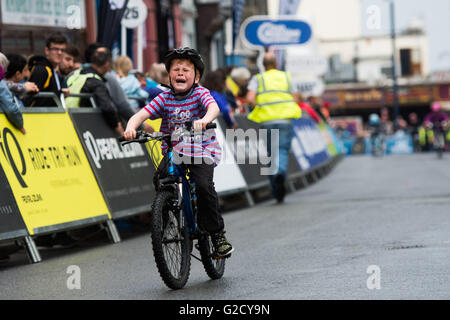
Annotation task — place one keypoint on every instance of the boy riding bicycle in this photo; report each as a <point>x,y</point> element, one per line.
<point>187,101</point>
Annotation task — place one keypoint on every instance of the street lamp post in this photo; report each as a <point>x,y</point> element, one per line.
<point>394,73</point>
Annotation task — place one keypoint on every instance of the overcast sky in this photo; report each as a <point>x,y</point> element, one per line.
<point>436,17</point>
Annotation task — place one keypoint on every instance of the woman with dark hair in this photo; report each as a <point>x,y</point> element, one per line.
<point>7,105</point>
<point>16,73</point>
<point>215,82</point>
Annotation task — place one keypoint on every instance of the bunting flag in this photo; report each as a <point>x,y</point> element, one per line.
<point>238,8</point>
<point>288,7</point>
<point>110,15</point>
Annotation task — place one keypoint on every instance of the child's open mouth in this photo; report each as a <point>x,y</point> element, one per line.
<point>180,81</point>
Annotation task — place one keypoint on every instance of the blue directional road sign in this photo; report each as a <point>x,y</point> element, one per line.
<point>263,32</point>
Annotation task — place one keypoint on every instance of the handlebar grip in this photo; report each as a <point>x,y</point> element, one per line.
<point>124,142</point>
<point>141,140</point>
<point>210,125</point>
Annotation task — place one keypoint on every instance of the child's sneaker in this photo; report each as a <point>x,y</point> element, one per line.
<point>221,245</point>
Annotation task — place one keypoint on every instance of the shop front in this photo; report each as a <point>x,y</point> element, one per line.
<point>25,24</point>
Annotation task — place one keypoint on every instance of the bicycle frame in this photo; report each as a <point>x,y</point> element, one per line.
<point>177,176</point>
<point>173,242</point>
<point>183,190</point>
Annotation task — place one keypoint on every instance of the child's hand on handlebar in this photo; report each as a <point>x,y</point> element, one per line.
<point>199,125</point>
<point>129,134</point>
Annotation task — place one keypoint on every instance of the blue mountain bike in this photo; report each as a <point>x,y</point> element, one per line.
<point>174,217</point>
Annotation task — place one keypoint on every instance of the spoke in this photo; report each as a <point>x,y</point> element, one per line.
<point>172,244</point>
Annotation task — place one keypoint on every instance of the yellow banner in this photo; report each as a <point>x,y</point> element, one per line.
<point>154,147</point>
<point>48,172</point>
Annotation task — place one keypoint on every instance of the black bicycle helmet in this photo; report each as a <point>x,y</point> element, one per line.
<point>185,53</point>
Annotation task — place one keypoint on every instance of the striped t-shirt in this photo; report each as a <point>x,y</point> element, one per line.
<point>175,113</point>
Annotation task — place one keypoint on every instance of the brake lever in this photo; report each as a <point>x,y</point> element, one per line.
<point>189,125</point>
<point>123,142</point>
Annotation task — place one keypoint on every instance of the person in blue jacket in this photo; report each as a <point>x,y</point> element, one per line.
<point>215,82</point>
<point>7,104</point>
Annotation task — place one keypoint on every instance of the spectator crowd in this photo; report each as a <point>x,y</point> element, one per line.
<point>65,75</point>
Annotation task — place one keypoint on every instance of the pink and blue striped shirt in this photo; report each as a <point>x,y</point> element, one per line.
<point>175,113</point>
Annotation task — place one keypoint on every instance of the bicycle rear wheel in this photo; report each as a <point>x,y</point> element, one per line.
<point>171,242</point>
<point>214,267</point>
<point>439,144</point>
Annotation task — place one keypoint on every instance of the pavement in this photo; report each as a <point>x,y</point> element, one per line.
<point>373,228</point>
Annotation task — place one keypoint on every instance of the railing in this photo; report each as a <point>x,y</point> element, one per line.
<point>60,101</point>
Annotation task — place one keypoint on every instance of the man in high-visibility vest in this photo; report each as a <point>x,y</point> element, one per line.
<point>91,80</point>
<point>275,107</point>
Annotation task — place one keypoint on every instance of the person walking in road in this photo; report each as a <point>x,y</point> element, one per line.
<point>270,93</point>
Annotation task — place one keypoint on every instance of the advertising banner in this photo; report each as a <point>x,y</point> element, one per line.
<point>244,145</point>
<point>399,144</point>
<point>248,145</point>
<point>11,222</point>
<point>309,145</point>
<point>49,174</point>
<point>227,175</point>
<point>364,97</point>
<point>419,94</point>
<point>124,173</point>
<point>330,139</point>
<point>50,13</point>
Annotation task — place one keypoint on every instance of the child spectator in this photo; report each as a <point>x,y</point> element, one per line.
<point>129,83</point>
<point>7,104</point>
<point>16,73</point>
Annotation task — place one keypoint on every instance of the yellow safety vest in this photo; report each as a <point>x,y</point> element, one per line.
<point>75,83</point>
<point>234,88</point>
<point>425,135</point>
<point>273,98</point>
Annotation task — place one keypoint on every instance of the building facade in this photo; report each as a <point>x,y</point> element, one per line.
<point>25,24</point>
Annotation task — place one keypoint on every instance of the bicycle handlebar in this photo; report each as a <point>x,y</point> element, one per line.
<point>143,137</point>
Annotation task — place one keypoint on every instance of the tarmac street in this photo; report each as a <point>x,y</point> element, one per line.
<point>373,228</point>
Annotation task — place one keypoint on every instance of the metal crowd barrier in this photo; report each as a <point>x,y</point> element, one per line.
<point>130,192</point>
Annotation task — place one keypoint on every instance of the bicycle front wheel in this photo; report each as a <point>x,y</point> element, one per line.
<point>170,240</point>
<point>214,267</point>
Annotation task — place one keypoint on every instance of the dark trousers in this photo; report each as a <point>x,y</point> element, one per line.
<point>209,217</point>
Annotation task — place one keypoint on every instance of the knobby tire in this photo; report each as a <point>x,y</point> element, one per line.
<point>171,244</point>
<point>214,268</point>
